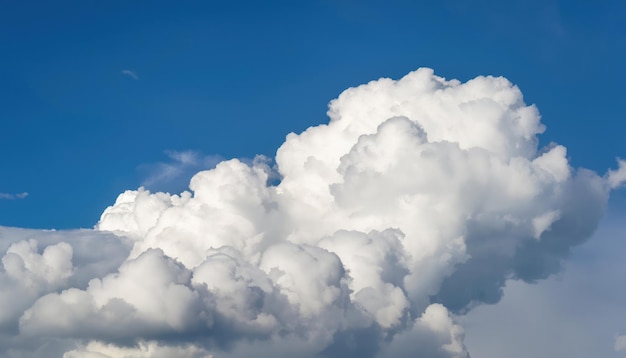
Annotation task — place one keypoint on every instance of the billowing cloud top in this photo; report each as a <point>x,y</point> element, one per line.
<point>416,202</point>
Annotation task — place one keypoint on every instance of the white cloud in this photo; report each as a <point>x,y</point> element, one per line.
<point>27,274</point>
<point>39,262</point>
<point>417,201</point>
<point>130,74</point>
<point>620,343</point>
<point>617,178</point>
<point>8,196</point>
<point>435,335</point>
<point>150,349</point>
<point>150,295</point>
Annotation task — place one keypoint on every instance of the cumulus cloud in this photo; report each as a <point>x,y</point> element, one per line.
<point>7,196</point>
<point>417,201</point>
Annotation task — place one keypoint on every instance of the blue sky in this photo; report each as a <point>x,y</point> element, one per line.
<point>232,79</point>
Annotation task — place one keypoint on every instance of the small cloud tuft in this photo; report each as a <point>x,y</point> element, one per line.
<point>131,74</point>
<point>620,343</point>
<point>617,178</point>
<point>7,196</point>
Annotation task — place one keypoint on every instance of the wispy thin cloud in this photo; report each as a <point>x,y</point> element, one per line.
<point>7,196</point>
<point>178,169</point>
<point>620,343</point>
<point>131,74</point>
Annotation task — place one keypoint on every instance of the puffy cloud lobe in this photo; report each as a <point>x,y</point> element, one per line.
<point>421,196</point>
<point>24,264</point>
<point>309,276</point>
<point>377,268</point>
<point>149,295</point>
<point>137,211</point>
<point>27,274</point>
<point>434,335</point>
<point>617,177</point>
<point>242,296</point>
<point>39,262</point>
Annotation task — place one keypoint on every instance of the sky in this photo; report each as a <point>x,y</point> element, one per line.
<point>97,92</point>
<point>101,98</point>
